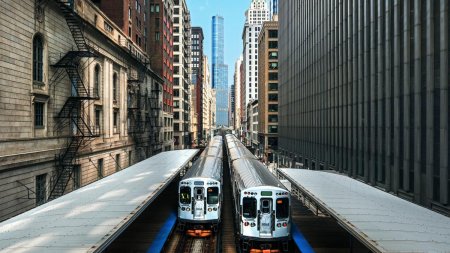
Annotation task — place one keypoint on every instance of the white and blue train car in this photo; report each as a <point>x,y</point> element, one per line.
<point>261,202</point>
<point>200,192</point>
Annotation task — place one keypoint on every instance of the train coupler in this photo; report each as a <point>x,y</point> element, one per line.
<point>198,232</point>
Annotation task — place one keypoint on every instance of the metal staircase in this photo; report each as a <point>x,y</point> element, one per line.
<point>73,114</point>
<point>143,111</point>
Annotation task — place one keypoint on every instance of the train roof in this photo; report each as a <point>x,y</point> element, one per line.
<point>214,147</point>
<point>236,149</point>
<point>206,167</point>
<point>213,151</point>
<point>252,173</point>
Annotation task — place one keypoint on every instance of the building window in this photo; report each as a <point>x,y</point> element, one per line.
<point>156,8</point>
<point>273,97</point>
<point>108,27</point>
<point>97,81</point>
<point>273,76</point>
<point>273,108</point>
<point>273,118</point>
<point>100,168</point>
<point>117,162</point>
<point>157,36</point>
<point>273,55</point>
<point>115,87</point>
<point>76,177</point>
<point>273,129</point>
<point>273,33</point>
<point>41,189</point>
<point>39,115</point>
<point>273,86</point>
<point>116,121</point>
<point>38,50</point>
<point>273,65</point>
<point>273,44</point>
<point>98,114</point>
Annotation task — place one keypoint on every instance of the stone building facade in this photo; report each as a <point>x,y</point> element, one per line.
<point>268,89</point>
<point>182,75</point>
<point>61,85</point>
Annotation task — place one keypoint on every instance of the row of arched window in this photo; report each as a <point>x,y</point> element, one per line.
<point>38,68</point>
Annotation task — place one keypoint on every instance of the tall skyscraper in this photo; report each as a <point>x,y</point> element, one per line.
<point>255,16</point>
<point>181,76</point>
<point>237,94</point>
<point>232,106</point>
<point>273,8</point>
<point>219,71</point>
<point>197,77</point>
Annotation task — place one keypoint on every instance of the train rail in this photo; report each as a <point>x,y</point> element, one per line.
<point>181,242</point>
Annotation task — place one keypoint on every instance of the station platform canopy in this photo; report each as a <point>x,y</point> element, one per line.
<point>90,218</point>
<point>379,220</point>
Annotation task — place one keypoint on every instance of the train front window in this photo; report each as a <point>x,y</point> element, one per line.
<point>265,206</point>
<point>213,195</point>
<point>249,207</point>
<point>185,195</point>
<point>282,208</point>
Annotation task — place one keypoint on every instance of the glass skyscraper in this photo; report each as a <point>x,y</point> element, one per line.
<point>219,71</point>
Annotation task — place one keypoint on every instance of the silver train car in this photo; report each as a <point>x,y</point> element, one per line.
<point>200,192</point>
<point>261,202</point>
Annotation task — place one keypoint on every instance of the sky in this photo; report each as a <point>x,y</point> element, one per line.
<point>233,12</point>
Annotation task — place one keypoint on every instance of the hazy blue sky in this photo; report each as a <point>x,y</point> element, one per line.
<point>233,12</point>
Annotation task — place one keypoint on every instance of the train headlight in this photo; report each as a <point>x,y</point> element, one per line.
<point>182,209</point>
<point>209,209</point>
<point>215,208</point>
<point>246,223</point>
<point>188,209</point>
<point>253,224</point>
<point>279,225</point>
<point>284,224</point>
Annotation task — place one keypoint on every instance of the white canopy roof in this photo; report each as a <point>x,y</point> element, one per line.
<point>89,218</point>
<point>381,221</point>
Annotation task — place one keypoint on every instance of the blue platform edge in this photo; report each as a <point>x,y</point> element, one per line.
<point>300,240</point>
<point>163,234</point>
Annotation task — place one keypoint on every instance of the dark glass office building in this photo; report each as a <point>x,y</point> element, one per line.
<point>364,91</point>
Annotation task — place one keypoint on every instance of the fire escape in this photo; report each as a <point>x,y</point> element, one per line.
<point>74,113</point>
<point>144,115</point>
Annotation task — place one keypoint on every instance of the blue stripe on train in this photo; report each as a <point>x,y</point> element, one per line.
<point>300,240</point>
<point>163,234</point>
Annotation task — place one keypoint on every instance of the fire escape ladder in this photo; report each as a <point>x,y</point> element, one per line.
<point>73,114</point>
<point>74,23</point>
<point>66,164</point>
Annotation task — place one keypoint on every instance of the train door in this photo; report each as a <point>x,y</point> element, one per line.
<point>265,219</point>
<point>199,203</point>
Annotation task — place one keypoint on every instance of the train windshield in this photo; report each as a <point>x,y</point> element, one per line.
<point>213,195</point>
<point>185,195</point>
<point>249,207</point>
<point>282,208</point>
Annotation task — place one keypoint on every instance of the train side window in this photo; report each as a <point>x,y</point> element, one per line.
<point>249,207</point>
<point>282,208</point>
<point>185,195</point>
<point>213,195</point>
